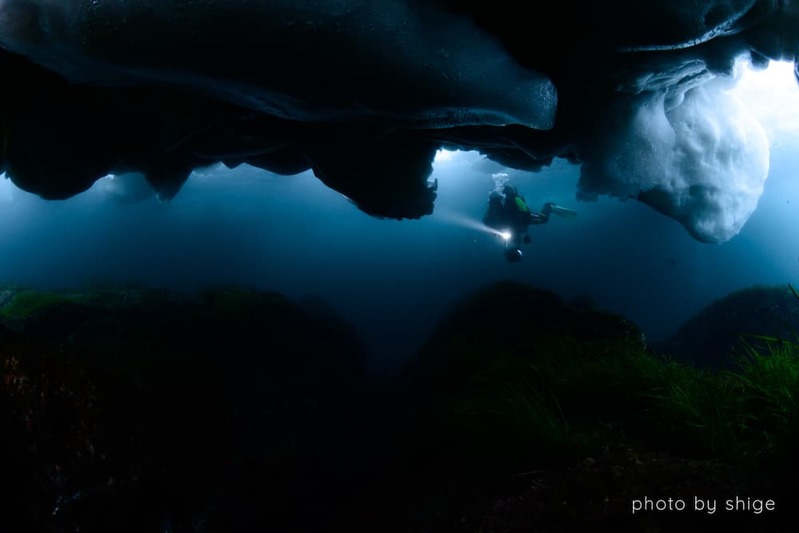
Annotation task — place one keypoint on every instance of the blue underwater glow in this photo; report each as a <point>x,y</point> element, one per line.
<point>395,279</point>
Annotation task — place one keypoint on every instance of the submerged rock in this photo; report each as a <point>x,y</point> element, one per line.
<point>511,319</point>
<point>156,410</point>
<point>486,390</point>
<point>723,330</point>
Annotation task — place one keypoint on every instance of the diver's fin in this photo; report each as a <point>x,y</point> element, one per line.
<point>563,211</point>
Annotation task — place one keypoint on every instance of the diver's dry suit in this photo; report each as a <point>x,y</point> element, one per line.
<point>512,215</point>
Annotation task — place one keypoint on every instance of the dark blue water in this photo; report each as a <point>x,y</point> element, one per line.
<point>395,279</point>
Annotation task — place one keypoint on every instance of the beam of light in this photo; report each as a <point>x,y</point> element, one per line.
<point>464,221</point>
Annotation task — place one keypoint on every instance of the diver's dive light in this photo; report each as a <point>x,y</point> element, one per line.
<point>506,235</point>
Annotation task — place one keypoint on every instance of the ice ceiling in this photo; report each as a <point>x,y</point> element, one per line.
<point>365,92</point>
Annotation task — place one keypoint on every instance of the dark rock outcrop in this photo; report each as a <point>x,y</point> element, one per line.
<point>144,410</point>
<point>510,319</point>
<point>728,327</point>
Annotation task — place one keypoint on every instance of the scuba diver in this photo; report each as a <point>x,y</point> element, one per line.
<point>509,214</point>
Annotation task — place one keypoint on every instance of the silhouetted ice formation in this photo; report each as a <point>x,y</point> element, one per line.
<point>364,94</point>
